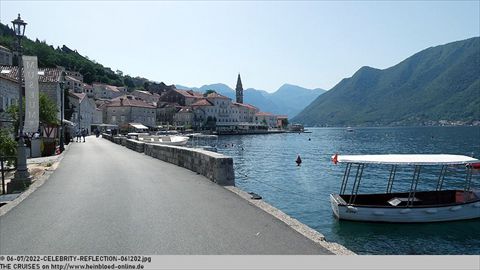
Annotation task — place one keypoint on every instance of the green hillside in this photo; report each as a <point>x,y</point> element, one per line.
<point>48,56</point>
<point>439,83</point>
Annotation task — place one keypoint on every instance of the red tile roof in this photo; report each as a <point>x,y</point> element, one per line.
<point>264,114</point>
<point>245,105</point>
<point>202,102</point>
<point>129,102</point>
<point>189,93</point>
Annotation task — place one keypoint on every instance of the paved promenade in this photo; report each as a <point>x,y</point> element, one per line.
<point>106,199</point>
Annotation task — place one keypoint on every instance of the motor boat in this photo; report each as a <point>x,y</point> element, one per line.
<point>439,203</point>
<point>165,140</point>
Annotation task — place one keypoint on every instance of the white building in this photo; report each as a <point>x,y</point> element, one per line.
<point>84,111</point>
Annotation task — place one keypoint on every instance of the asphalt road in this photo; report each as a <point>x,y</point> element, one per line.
<point>106,199</point>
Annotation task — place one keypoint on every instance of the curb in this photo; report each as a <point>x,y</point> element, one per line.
<point>36,184</point>
<point>296,225</point>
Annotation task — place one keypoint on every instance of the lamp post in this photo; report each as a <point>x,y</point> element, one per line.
<point>62,95</point>
<point>22,177</point>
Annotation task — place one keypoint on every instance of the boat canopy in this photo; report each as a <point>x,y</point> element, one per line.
<point>407,159</point>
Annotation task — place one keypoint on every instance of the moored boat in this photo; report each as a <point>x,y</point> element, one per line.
<point>441,203</point>
<point>165,140</point>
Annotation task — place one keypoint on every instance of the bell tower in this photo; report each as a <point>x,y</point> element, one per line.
<point>239,90</point>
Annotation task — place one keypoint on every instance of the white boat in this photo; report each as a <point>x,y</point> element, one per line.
<point>166,140</point>
<point>349,129</point>
<point>410,206</point>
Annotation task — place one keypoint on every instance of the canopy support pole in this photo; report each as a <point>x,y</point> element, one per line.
<point>356,184</point>
<point>468,184</point>
<point>441,178</point>
<point>391,178</point>
<point>413,188</point>
<point>345,178</point>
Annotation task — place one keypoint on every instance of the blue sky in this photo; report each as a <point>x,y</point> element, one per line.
<point>307,43</point>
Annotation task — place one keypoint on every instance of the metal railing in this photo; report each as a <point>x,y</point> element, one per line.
<point>7,164</point>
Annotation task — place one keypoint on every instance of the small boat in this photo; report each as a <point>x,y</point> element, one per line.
<point>410,206</point>
<point>349,129</point>
<point>166,140</point>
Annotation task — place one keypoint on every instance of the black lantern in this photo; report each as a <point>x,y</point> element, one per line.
<point>19,27</point>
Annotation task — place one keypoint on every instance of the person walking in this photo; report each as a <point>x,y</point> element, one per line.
<point>77,135</point>
<point>84,133</point>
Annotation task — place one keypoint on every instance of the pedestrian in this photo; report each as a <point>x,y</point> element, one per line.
<point>77,135</point>
<point>84,133</point>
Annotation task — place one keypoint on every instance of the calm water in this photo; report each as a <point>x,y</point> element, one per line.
<point>265,164</point>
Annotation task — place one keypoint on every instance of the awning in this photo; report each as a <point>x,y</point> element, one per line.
<point>138,126</point>
<point>414,159</point>
<point>70,123</point>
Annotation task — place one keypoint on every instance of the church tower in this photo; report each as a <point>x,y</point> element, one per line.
<point>239,90</point>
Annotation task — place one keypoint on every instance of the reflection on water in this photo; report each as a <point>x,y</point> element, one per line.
<point>265,164</point>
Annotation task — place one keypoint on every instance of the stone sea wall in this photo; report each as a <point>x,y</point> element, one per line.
<point>216,167</point>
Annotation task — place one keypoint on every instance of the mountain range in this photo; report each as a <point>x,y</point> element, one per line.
<point>438,83</point>
<point>287,100</point>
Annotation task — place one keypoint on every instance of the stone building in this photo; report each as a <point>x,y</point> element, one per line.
<point>48,81</point>
<point>128,109</point>
<point>165,112</point>
<point>265,118</point>
<point>105,91</point>
<point>181,97</point>
<point>184,117</point>
<point>74,84</point>
<point>6,56</point>
<point>84,111</point>
<point>146,96</point>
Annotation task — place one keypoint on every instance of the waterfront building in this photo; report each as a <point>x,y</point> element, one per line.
<point>282,121</point>
<point>128,109</point>
<point>165,112</point>
<point>267,119</point>
<point>6,56</point>
<point>181,97</point>
<point>184,118</point>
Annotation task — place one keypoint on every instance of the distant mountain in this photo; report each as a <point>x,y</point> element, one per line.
<point>438,83</point>
<point>287,100</point>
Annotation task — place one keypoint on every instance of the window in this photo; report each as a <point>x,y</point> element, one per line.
<point>114,119</point>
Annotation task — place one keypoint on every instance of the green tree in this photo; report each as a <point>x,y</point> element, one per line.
<point>208,92</point>
<point>47,109</point>
<point>7,143</point>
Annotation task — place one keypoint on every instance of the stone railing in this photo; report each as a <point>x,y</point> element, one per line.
<point>216,167</point>
<point>133,144</point>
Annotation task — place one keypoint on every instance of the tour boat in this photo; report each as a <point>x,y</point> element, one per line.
<point>165,140</point>
<point>440,203</point>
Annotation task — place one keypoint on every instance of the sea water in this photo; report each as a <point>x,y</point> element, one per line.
<point>265,164</point>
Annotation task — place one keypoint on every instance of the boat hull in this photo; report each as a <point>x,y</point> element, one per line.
<point>165,140</point>
<point>460,211</point>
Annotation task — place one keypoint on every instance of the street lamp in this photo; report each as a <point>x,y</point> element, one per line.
<point>62,128</point>
<point>22,178</point>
